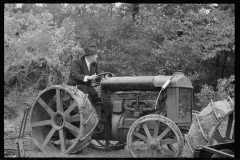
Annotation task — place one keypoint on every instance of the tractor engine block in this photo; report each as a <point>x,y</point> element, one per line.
<point>128,106</point>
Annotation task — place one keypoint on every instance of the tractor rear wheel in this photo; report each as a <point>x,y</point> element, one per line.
<point>62,119</point>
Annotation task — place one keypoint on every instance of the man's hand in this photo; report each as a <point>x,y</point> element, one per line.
<point>92,77</point>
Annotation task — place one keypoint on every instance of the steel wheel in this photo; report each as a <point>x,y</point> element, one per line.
<point>223,132</point>
<point>106,145</point>
<point>55,120</point>
<point>152,136</point>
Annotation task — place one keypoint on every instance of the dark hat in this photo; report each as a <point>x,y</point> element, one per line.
<point>90,50</point>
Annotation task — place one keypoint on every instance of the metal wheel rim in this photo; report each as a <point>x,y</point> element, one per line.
<point>63,143</point>
<point>215,133</point>
<point>172,127</point>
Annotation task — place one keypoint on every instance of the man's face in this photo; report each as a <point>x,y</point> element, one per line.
<point>94,57</point>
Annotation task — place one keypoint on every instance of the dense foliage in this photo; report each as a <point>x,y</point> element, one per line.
<point>135,39</point>
<point>225,88</point>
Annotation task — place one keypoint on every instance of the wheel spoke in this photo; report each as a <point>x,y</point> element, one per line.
<point>65,104</point>
<point>74,133</point>
<point>168,141</point>
<point>45,106</point>
<point>140,136</point>
<point>218,137</point>
<point>62,136</point>
<point>72,128</point>
<point>49,136</point>
<point>75,118</point>
<point>156,128</point>
<point>229,126</point>
<point>40,123</point>
<point>59,101</point>
<point>73,105</point>
<point>146,130</point>
<point>163,133</point>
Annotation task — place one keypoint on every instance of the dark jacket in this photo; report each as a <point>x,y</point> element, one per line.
<point>79,70</point>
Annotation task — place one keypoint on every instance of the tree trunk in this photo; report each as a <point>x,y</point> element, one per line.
<point>224,64</point>
<point>135,10</point>
<point>217,66</point>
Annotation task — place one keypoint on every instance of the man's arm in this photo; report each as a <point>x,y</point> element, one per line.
<point>77,72</point>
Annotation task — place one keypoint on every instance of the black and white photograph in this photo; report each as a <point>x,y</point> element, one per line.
<point>119,80</point>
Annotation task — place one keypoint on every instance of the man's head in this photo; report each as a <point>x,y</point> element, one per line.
<point>91,53</point>
<point>92,58</point>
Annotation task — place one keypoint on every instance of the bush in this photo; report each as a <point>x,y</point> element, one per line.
<point>225,87</point>
<point>35,72</point>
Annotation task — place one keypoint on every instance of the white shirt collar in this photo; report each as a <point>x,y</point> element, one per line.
<point>88,64</point>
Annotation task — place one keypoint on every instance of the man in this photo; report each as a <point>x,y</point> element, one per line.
<point>83,71</point>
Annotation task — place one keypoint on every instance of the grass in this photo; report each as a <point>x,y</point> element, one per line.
<point>17,101</point>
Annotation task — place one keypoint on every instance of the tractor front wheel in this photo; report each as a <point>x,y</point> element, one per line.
<point>154,136</point>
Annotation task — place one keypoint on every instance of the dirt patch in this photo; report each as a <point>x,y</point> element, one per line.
<point>31,150</point>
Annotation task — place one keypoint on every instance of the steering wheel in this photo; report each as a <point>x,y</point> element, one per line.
<point>97,80</point>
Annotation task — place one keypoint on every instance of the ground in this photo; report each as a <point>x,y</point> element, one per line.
<point>32,150</point>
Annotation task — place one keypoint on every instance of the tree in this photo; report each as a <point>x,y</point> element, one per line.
<point>136,39</point>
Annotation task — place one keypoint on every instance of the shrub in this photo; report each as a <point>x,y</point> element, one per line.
<point>35,72</point>
<point>225,87</point>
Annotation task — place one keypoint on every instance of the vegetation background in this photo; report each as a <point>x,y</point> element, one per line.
<point>40,40</point>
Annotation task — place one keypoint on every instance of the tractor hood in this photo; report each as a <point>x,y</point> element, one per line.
<point>144,83</point>
<point>178,80</point>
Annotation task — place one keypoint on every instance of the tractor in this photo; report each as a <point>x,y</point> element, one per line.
<point>149,116</point>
